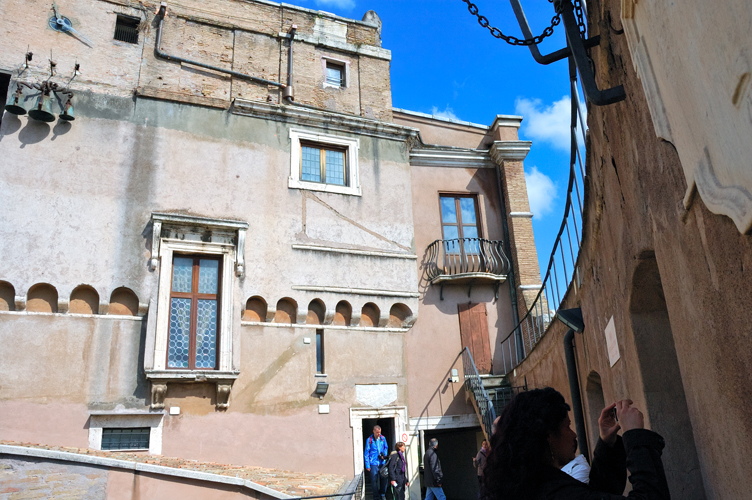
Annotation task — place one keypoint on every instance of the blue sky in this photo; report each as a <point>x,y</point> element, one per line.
<point>444,62</point>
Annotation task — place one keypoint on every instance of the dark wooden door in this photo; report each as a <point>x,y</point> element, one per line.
<point>474,334</point>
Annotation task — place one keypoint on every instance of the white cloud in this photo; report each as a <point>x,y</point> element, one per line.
<point>547,123</point>
<point>340,4</point>
<point>541,192</point>
<point>448,113</point>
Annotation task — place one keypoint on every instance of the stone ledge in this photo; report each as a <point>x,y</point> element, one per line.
<point>275,483</point>
<point>140,467</point>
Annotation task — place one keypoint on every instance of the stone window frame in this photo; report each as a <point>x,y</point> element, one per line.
<point>351,146</point>
<point>345,65</point>
<point>99,420</point>
<point>191,232</point>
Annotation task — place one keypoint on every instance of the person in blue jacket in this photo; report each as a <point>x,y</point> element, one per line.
<point>375,455</point>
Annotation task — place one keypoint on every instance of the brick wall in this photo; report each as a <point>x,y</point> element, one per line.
<point>247,37</point>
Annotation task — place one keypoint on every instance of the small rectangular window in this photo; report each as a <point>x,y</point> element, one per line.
<point>126,29</point>
<point>129,438</point>
<point>323,164</point>
<point>320,351</point>
<point>335,74</point>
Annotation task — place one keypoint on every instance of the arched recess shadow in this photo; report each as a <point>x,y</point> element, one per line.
<point>662,382</point>
<point>595,404</point>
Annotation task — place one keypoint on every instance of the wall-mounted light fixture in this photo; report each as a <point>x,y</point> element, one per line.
<point>321,388</point>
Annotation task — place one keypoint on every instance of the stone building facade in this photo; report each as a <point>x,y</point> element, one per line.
<point>221,253</point>
<point>665,257</point>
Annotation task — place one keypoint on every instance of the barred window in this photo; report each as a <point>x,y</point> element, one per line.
<point>128,438</point>
<point>126,29</point>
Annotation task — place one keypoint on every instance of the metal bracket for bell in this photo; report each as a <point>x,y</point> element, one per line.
<point>12,106</point>
<point>43,110</point>
<point>67,113</point>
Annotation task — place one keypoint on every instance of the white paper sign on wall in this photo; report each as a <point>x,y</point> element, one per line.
<point>611,343</point>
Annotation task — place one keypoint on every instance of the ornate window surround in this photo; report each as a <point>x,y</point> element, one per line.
<point>192,235</point>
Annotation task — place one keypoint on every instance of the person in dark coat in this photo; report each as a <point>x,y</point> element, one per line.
<point>432,472</point>
<point>533,441</point>
<point>398,471</point>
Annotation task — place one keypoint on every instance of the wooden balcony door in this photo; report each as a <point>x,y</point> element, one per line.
<point>474,334</point>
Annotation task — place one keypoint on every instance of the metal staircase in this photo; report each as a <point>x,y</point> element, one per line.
<point>488,394</point>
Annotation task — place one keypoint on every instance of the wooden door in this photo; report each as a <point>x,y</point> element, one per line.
<point>474,334</point>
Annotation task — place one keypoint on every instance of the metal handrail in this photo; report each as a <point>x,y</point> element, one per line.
<point>474,384</point>
<point>534,324</point>
<point>465,256</point>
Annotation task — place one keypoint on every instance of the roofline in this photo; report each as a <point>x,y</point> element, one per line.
<point>512,120</point>
<point>316,12</point>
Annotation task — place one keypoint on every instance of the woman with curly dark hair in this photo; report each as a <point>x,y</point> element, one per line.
<point>533,441</point>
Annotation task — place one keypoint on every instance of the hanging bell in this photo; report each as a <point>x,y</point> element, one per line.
<point>13,105</point>
<point>67,113</point>
<point>43,110</point>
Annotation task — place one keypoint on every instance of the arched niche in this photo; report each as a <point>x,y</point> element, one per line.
<point>342,313</point>
<point>123,301</point>
<point>666,404</point>
<point>287,311</point>
<point>316,312</point>
<point>398,315</point>
<point>255,309</point>
<point>369,315</point>
<point>42,297</point>
<point>84,300</point>
<point>7,297</point>
<point>595,403</point>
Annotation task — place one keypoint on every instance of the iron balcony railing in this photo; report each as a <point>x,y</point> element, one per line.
<point>466,258</point>
<point>562,271</point>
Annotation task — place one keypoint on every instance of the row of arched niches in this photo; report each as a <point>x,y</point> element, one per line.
<point>84,299</point>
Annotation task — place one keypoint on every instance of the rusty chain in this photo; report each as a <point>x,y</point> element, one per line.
<point>512,40</point>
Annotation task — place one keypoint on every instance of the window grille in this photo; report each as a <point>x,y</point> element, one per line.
<point>130,438</point>
<point>126,29</point>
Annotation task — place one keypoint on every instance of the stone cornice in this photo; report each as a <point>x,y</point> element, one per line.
<point>509,150</point>
<point>327,120</point>
<point>342,46</point>
<point>450,157</point>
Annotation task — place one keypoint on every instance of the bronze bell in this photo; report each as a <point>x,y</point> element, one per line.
<point>67,113</point>
<point>12,106</point>
<point>43,110</point>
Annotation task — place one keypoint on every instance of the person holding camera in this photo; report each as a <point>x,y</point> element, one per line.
<point>375,455</point>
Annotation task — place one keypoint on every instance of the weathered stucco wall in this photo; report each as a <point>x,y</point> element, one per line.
<point>434,342</point>
<point>673,279</point>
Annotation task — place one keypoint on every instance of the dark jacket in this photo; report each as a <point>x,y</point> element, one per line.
<point>639,451</point>
<point>395,469</point>
<point>432,469</point>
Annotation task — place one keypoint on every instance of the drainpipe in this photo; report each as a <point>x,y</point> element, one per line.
<point>163,55</point>
<point>508,250</point>
<point>573,319</point>
<point>287,93</point>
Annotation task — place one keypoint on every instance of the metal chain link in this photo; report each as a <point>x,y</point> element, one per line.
<point>512,40</point>
<point>580,18</point>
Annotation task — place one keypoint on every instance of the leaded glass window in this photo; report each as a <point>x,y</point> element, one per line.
<point>323,164</point>
<point>194,306</point>
<point>129,438</point>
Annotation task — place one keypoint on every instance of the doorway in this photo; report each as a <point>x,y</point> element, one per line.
<point>4,84</point>
<point>456,450</point>
<point>387,430</point>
